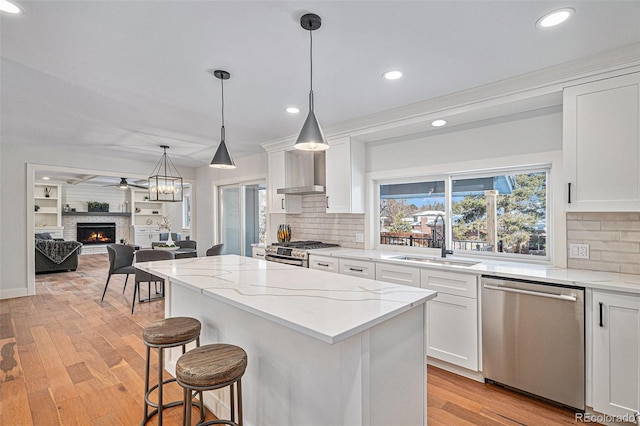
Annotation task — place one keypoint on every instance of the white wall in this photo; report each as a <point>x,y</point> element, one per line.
<point>15,256</point>
<point>523,136</point>
<point>247,169</point>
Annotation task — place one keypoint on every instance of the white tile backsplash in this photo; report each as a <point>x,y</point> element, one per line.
<point>314,224</point>
<point>613,239</point>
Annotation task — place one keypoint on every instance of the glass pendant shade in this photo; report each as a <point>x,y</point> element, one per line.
<point>165,183</point>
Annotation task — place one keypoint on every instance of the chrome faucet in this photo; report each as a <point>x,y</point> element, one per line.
<point>443,241</point>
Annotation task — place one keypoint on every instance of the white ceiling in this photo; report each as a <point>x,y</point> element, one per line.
<point>127,76</point>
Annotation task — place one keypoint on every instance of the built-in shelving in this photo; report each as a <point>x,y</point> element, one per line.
<point>96,214</point>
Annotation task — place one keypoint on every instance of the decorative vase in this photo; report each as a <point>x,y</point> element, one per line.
<point>169,240</point>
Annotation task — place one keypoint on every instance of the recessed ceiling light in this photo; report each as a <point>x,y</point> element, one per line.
<point>292,110</point>
<point>9,7</point>
<point>438,123</point>
<point>554,18</point>
<point>45,178</point>
<point>392,75</point>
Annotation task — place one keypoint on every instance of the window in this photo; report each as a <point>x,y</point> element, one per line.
<point>243,218</point>
<point>493,213</point>
<point>186,208</point>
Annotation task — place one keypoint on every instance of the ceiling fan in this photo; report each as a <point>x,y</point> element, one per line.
<point>125,185</point>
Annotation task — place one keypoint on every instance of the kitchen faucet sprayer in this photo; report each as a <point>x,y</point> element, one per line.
<point>443,247</point>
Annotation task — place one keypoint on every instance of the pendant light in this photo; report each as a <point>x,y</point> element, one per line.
<point>311,137</point>
<point>222,159</point>
<point>165,183</point>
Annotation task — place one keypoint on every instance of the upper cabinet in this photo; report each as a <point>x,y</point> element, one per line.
<point>601,145</point>
<point>280,203</point>
<point>345,168</point>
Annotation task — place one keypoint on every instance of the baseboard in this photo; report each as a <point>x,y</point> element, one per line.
<point>13,293</point>
<point>460,371</point>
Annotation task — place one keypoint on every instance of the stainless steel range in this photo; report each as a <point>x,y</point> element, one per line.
<point>295,252</point>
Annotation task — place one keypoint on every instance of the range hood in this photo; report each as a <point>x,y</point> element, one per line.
<point>305,173</point>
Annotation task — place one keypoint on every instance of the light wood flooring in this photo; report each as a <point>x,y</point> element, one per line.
<point>68,359</point>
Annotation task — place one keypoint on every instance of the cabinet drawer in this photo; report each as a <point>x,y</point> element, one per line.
<point>405,275</point>
<point>323,263</point>
<point>450,283</point>
<point>358,268</point>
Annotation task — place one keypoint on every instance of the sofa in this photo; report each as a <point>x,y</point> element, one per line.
<point>53,254</point>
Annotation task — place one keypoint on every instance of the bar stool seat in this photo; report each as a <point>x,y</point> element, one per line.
<point>211,367</point>
<point>163,334</point>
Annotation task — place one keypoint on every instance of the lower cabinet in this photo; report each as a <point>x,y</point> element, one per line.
<point>358,268</point>
<point>406,275</point>
<point>452,334</point>
<point>145,235</point>
<point>616,354</point>
<point>324,263</point>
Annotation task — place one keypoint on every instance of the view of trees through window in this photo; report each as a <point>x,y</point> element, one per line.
<point>503,213</point>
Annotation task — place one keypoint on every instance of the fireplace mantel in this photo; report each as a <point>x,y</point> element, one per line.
<point>96,214</point>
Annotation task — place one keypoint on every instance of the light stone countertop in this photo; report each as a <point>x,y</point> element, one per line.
<point>302,299</point>
<point>519,270</point>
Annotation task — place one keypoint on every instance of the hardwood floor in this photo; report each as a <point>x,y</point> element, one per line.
<point>68,359</point>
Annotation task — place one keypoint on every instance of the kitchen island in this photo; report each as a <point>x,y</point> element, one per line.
<point>324,349</point>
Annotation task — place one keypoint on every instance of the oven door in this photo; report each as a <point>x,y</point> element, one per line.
<point>286,260</point>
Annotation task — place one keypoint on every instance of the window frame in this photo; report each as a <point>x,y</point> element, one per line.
<point>448,178</point>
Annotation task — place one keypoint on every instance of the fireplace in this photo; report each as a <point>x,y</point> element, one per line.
<point>96,232</point>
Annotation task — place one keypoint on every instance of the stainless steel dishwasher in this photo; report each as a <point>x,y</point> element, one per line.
<point>533,338</point>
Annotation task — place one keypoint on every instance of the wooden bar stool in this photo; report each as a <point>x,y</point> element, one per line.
<point>163,334</point>
<point>212,367</point>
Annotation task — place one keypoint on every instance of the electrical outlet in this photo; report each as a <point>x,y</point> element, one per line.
<point>359,238</point>
<point>579,251</point>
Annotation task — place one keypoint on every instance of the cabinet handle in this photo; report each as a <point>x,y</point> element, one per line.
<point>282,203</point>
<point>323,264</point>
<point>569,193</point>
<point>260,254</point>
<point>356,270</point>
<point>601,324</point>
<point>327,201</point>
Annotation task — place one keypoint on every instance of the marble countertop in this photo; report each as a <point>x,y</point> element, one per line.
<point>528,271</point>
<point>302,299</point>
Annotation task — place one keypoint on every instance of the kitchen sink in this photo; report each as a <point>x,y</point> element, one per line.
<point>436,260</point>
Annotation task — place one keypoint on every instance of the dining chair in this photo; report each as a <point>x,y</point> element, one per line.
<point>215,250</point>
<point>120,262</point>
<point>143,276</point>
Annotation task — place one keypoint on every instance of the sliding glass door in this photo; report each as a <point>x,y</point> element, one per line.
<point>242,217</point>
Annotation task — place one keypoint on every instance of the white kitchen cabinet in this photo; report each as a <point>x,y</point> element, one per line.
<point>145,235</point>
<point>601,144</point>
<point>257,252</point>
<point>453,329</point>
<point>345,169</point>
<point>358,268</point>
<point>280,203</point>
<point>398,274</point>
<point>324,263</point>
<point>616,353</point>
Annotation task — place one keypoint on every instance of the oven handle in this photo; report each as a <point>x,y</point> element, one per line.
<point>283,260</point>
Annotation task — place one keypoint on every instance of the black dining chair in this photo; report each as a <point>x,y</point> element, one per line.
<point>146,277</point>
<point>120,262</point>
<point>215,250</point>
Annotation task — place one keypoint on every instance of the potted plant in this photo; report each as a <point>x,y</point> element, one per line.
<point>96,206</point>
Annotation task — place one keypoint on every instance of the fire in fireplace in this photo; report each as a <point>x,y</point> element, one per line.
<point>96,232</point>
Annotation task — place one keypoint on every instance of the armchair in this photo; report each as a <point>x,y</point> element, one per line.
<point>53,255</point>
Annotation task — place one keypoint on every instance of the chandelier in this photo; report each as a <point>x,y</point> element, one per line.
<point>165,183</point>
